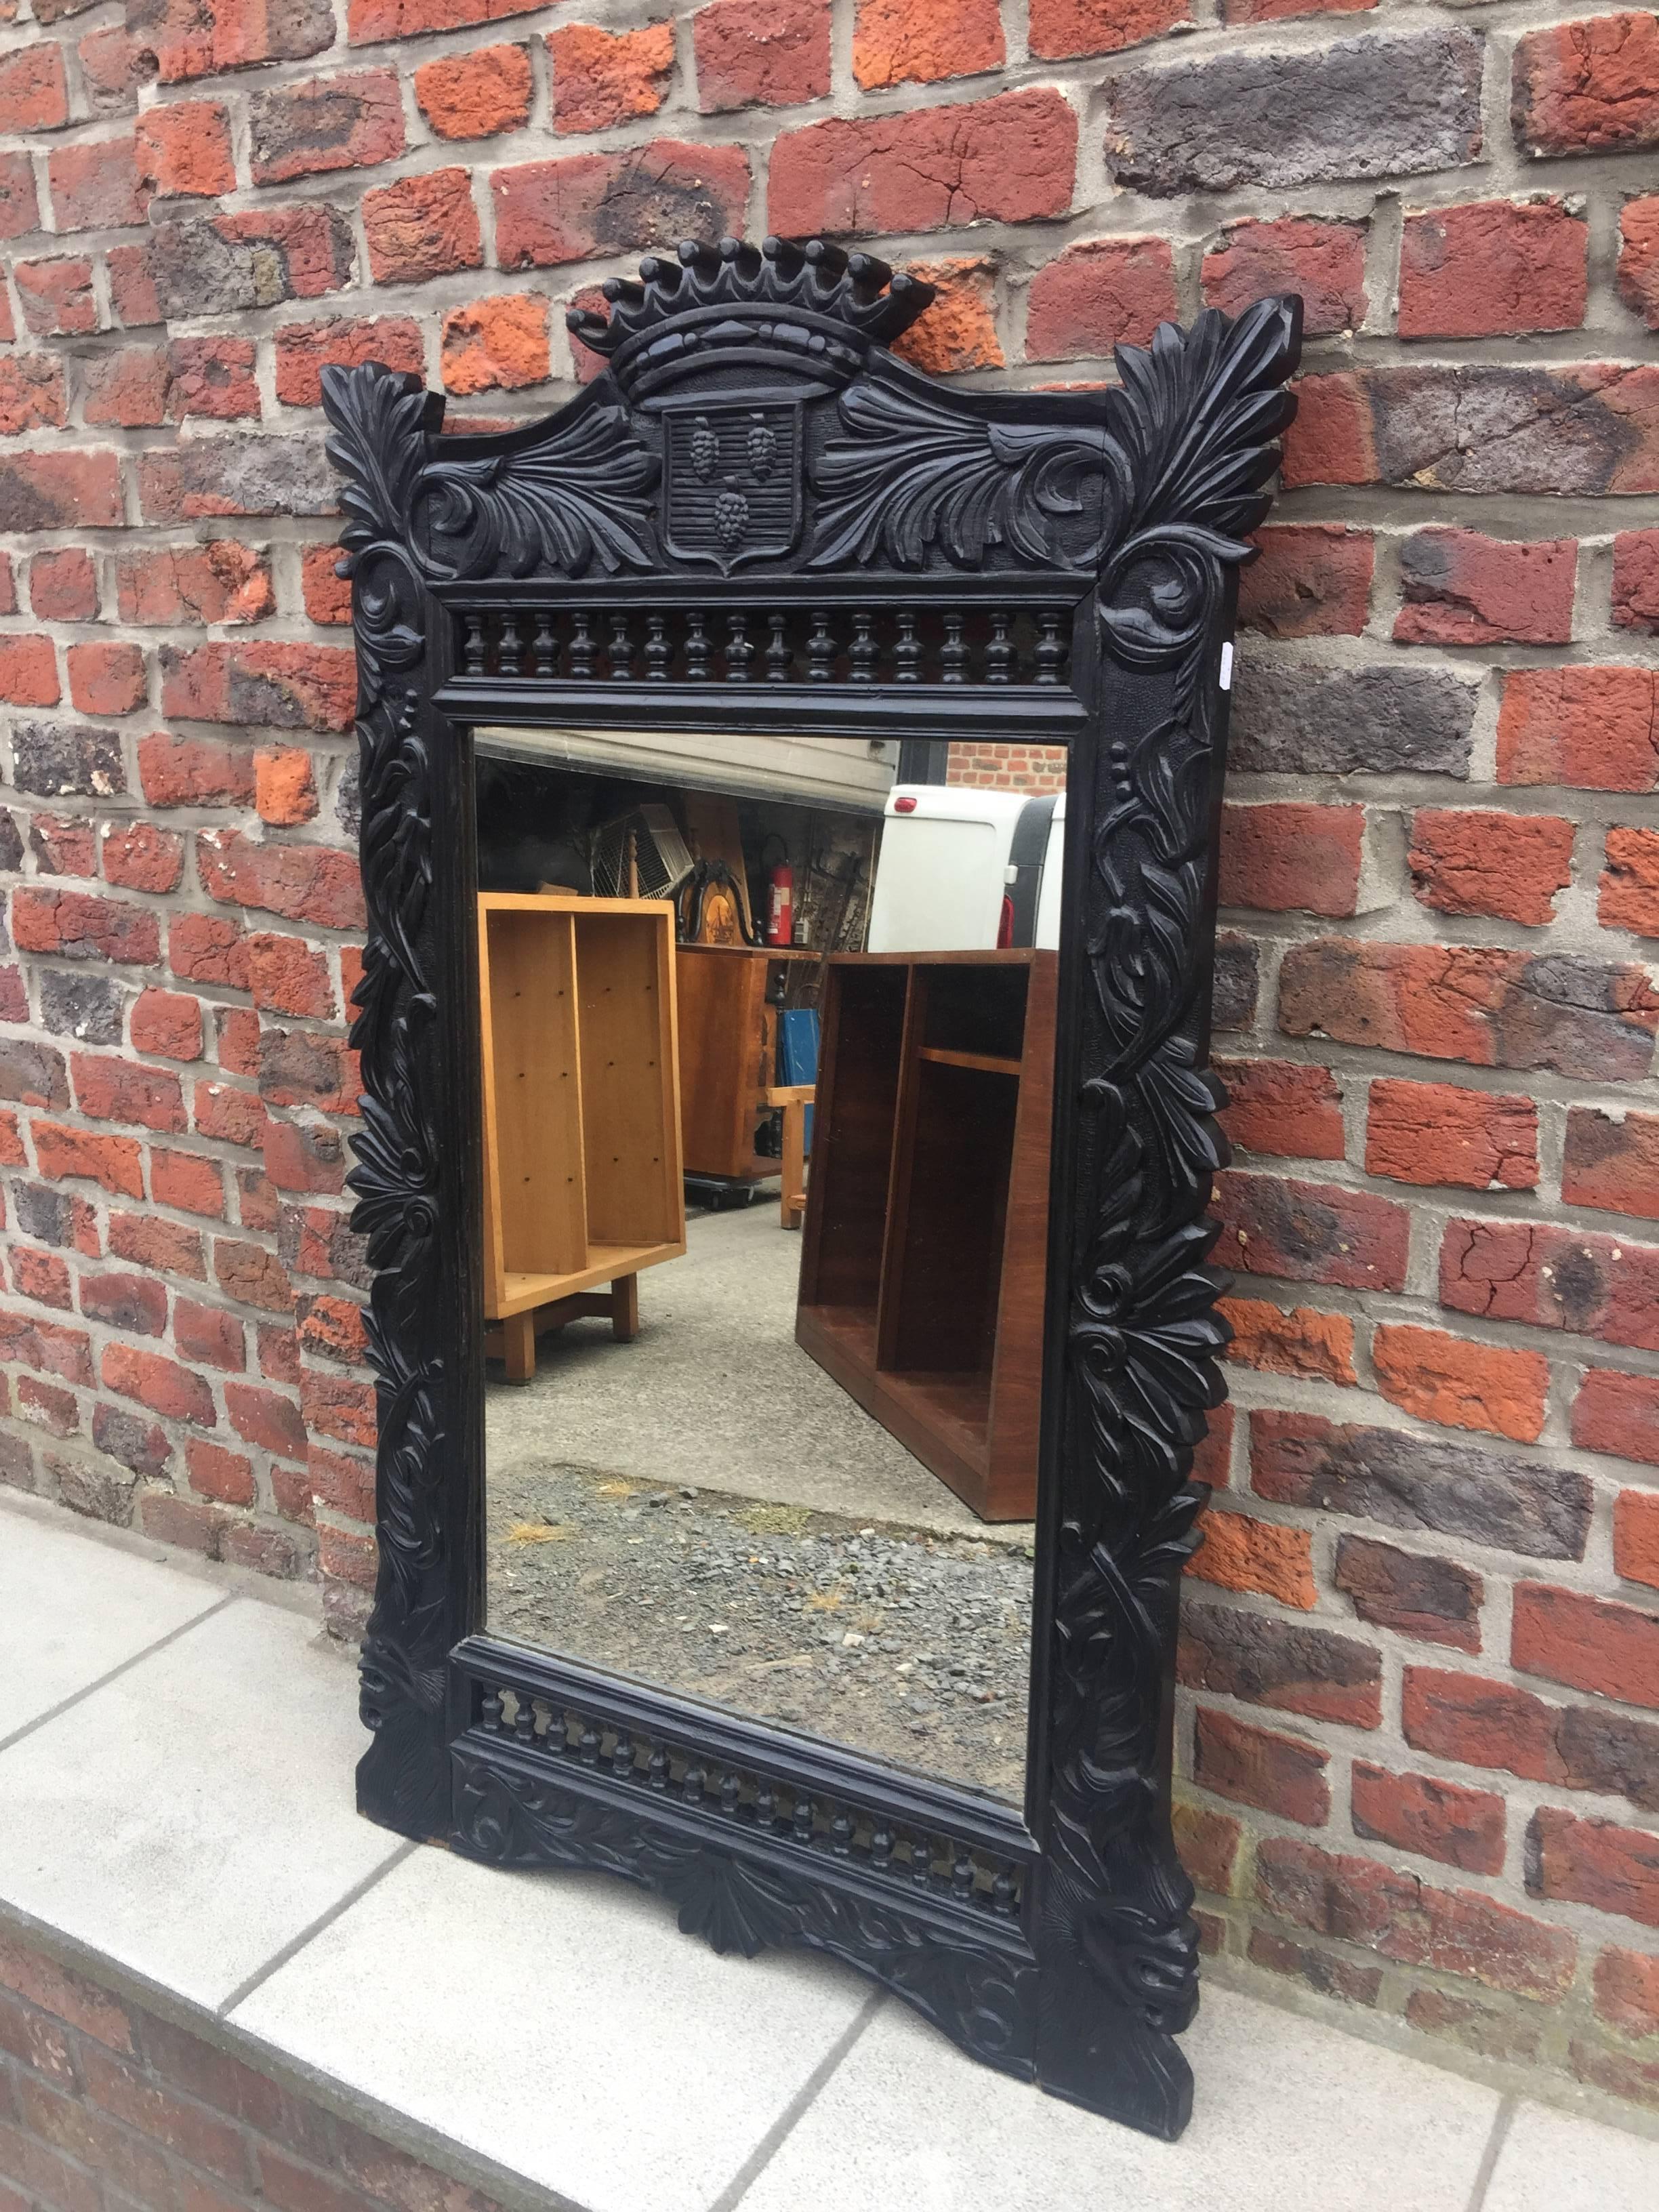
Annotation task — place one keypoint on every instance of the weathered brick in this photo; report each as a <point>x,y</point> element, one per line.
<point>1492,269</point>
<point>109,70</point>
<point>63,586</point>
<point>106,677</point>
<point>78,926</point>
<point>496,344</point>
<point>168,1024</point>
<point>1285,1108</point>
<point>1240,1552</point>
<point>1310,579</point>
<point>225,1476</point>
<point>141,1446</point>
<point>194,1528</point>
<point>590,204</point>
<point>1595,727</point>
<point>187,1180</point>
<point>18,209</point>
<point>1543,1273</point>
<point>208,1336</point>
<point>303,883</point>
<point>1480,2027</point>
<point>95,184</point>
<point>289,687</point>
<point>303,350</point>
<point>34,88</point>
<point>1636,580</point>
<point>1435,1134</point>
<point>1617,1414</point>
<point>1322,260</point>
<point>1323,1970</point>
<point>1587,87</point>
<point>1459,1384</point>
<point>1376,106</point>
<point>256,258</point>
<point>1482,861</point>
<point>148,1241</point>
<point>1416,1594</point>
<point>1456,1931</point>
<point>1298,718</point>
<point>136,1304</point>
<point>1581,430</point>
<point>1594,1863</point>
<point>421,228</point>
<point>159,1382</point>
<point>266,1418</point>
<point>1492,1006</point>
<point>1435,1819</point>
<point>33,1075</point>
<point>1620,2073</point>
<point>1292,856</point>
<point>61,491</point>
<point>601,78</point>
<point>132,286</point>
<point>130,389</point>
<point>1627,893</point>
<point>184,150</point>
<point>1638,259</point>
<point>1612,1161</point>
<point>334,1406</point>
<point>1588,1642</point>
<point>194,772</point>
<point>185,39</point>
<point>332,1329</point>
<point>771,53</point>
<point>1207,1843</point>
<point>1627,1992</point>
<point>959,330</point>
<point>211,378</point>
<point>1259,1767</point>
<point>1103,293</point>
<point>1636,1536</point>
<point>304,1156</point>
<point>1316,1346</point>
<point>257,473</point>
<point>43,1277</point>
<point>476,96</point>
<point>1289,1666</point>
<point>61,847</point>
<point>367,20</point>
<point>1311,1232</point>
<point>1008,160</point>
<point>32,394</point>
<point>28,672</point>
<point>1420,1482</point>
<point>1460,588</point>
<point>142,857</point>
<point>350,121</point>
<point>305,1068</point>
<point>326,593</point>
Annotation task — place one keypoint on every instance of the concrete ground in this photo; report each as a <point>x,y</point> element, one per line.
<point>715,1392</point>
<point>176,1814</point>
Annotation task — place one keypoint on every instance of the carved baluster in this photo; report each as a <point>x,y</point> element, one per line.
<point>657,651</point>
<point>510,644</point>
<point>739,649</point>
<point>778,656</point>
<point>621,1756</point>
<point>953,655</point>
<point>697,647</point>
<point>524,1720</point>
<point>863,647</point>
<point>692,1788</point>
<point>922,1858</point>
<point>622,649</point>
<point>588,1748</point>
<point>840,1832</point>
<point>906,654</point>
<point>489,1711</point>
<point>581,644</point>
<point>801,1825</point>
<point>472,652</point>
<point>1002,1894</point>
<point>961,1877</point>
<point>881,1849</point>
<point>656,1772</point>
<point>546,646</point>
<point>766,1805</point>
<point>1050,653</point>
<point>820,649</point>
<point>999,652</point>
<point>731,1786</point>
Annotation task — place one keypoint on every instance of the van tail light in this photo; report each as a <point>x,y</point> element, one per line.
<point>1005,927</point>
<point>904,806</point>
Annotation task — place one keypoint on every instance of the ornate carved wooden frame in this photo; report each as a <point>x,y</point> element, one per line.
<point>758,515</point>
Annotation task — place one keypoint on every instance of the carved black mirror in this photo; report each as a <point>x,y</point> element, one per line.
<point>812,1561</point>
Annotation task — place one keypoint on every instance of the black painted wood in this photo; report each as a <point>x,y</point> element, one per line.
<point>758,515</point>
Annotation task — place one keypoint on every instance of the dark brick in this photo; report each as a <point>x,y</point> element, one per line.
<point>1311,1232</point>
<point>32,1074</point>
<point>1320,1970</point>
<point>1298,718</point>
<point>1435,1600</point>
<point>1405,1481</point>
<point>1376,106</point>
<point>1237,960</point>
<point>1271,1662</point>
<point>56,760</point>
<point>137,1444</point>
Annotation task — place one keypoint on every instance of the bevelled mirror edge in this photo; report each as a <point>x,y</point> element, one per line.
<point>1086,1982</point>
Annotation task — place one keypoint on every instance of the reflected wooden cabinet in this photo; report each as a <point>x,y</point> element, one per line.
<point>729,997</point>
<point>922,1275</point>
<point>582,1185</point>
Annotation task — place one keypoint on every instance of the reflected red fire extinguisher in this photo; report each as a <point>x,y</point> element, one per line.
<point>780,903</point>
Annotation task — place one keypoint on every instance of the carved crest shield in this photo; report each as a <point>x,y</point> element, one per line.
<point>734,476</point>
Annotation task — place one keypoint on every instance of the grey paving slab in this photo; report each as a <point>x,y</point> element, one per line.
<point>195,1814</point>
<point>1557,2162</point>
<point>71,1609</point>
<point>1289,2114</point>
<point>560,2025</point>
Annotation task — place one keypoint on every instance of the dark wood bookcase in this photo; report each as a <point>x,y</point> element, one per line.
<point>923,1274</point>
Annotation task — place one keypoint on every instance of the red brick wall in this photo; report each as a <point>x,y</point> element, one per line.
<point>104,2103</point>
<point>1420,1719</point>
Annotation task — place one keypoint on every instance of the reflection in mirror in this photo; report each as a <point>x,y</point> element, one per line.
<point>767,1041</point>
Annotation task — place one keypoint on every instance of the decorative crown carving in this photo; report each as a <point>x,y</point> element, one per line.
<point>814,308</point>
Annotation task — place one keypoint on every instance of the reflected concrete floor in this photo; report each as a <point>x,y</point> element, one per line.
<point>715,1393</point>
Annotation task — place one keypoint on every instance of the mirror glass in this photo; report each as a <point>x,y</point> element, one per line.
<point>767,1057</point>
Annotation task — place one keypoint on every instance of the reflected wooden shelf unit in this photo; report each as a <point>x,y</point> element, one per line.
<point>729,996</point>
<point>582,1184</point>
<point>922,1275</point>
